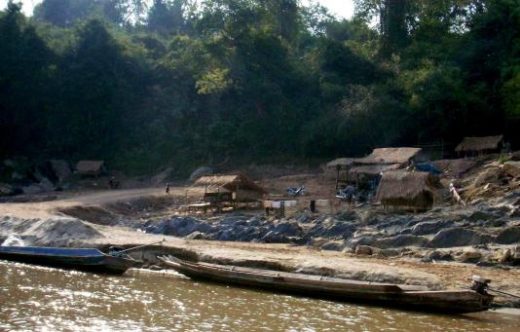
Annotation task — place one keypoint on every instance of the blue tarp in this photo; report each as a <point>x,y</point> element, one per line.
<point>427,167</point>
<point>52,251</point>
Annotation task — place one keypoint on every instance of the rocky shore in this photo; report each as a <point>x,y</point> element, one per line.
<point>486,233</point>
<point>441,248</point>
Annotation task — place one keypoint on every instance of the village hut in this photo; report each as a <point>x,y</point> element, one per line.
<point>369,174</point>
<point>411,191</point>
<point>400,156</point>
<point>340,163</point>
<point>473,146</point>
<point>239,187</point>
<point>368,170</point>
<point>338,169</point>
<point>90,167</point>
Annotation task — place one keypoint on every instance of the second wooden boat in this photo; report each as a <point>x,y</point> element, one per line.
<point>404,296</point>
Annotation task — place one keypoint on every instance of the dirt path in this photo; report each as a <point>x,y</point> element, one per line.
<point>67,200</point>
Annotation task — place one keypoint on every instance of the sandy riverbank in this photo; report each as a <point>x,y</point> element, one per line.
<point>45,224</point>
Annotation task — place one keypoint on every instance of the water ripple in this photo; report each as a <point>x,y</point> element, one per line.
<point>44,299</point>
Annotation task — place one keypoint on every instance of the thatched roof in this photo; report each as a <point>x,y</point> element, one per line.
<point>389,156</point>
<point>341,162</point>
<point>90,166</point>
<point>406,188</point>
<point>372,170</point>
<point>228,182</point>
<point>455,167</point>
<point>472,144</point>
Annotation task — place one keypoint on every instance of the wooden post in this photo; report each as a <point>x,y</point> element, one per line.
<point>338,167</point>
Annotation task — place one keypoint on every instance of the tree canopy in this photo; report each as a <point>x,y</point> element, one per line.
<point>144,84</point>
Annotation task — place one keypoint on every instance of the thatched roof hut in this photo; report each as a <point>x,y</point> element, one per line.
<point>341,163</point>
<point>407,190</point>
<point>90,167</point>
<point>242,187</point>
<point>477,145</point>
<point>401,156</point>
<point>371,170</point>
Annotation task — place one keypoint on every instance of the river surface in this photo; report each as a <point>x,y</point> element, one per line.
<point>45,299</point>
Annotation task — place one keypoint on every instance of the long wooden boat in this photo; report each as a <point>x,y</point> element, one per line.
<point>83,259</point>
<point>402,296</point>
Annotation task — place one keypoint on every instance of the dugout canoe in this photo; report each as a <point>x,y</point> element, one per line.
<point>394,295</point>
<point>82,259</point>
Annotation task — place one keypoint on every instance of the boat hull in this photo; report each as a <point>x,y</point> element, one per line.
<point>88,260</point>
<point>402,296</point>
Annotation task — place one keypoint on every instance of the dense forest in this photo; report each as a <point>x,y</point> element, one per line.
<point>144,84</point>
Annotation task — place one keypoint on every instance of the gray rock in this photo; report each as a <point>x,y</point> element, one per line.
<point>469,256</point>
<point>225,235</point>
<point>456,237</point>
<point>395,225</point>
<point>273,237</point>
<point>494,223</point>
<point>246,233</point>
<point>335,230</point>
<point>255,221</point>
<point>197,236</point>
<point>516,255</point>
<point>512,168</point>
<point>287,228</point>
<point>54,231</point>
<point>365,240</point>
<point>509,235</point>
<point>438,255</point>
<point>389,253</point>
<point>430,227</point>
<point>363,250</point>
<point>401,241</point>
<point>179,226</point>
<point>482,216</point>
<point>333,246</point>
<point>304,218</point>
<point>347,216</point>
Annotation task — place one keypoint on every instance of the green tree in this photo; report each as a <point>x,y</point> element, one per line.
<point>24,61</point>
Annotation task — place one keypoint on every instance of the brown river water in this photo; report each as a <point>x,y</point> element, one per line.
<point>44,299</point>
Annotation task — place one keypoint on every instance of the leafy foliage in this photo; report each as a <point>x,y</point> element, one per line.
<point>143,83</point>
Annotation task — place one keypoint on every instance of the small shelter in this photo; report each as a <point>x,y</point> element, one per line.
<point>90,167</point>
<point>368,169</point>
<point>236,187</point>
<point>369,173</point>
<point>340,163</point>
<point>412,191</point>
<point>399,156</point>
<point>472,146</point>
<point>339,168</point>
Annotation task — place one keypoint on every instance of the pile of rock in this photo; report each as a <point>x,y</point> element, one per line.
<point>366,232</point>
<point>53,231</point>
